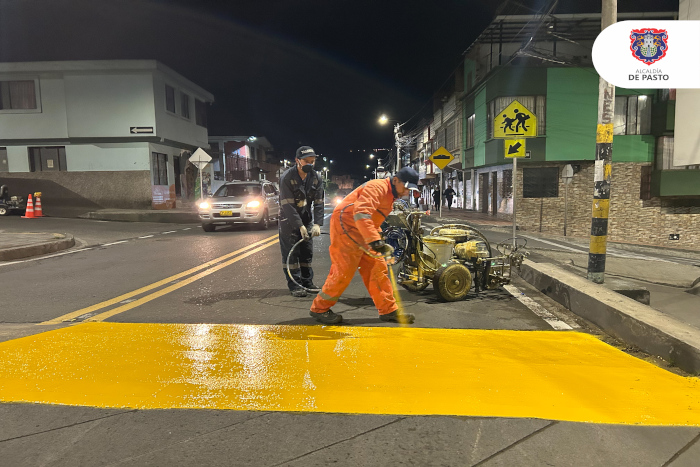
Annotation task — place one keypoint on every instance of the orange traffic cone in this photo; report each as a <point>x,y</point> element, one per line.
<point>29,213</point>
<point>37,209</point>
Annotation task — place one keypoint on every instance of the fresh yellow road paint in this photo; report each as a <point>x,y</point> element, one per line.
<point>413,371</point>
<point>155,285</point>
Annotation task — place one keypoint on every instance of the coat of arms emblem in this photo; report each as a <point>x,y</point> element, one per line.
<point>649,45</point>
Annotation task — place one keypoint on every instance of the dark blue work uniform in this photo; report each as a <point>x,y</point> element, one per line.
<point>296,198</point>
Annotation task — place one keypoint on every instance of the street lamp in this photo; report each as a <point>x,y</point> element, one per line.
<point>371,156</point>
<point>383,120</point>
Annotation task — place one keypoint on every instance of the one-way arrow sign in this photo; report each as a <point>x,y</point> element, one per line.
<point>514,149</point>
<point>141,129</point>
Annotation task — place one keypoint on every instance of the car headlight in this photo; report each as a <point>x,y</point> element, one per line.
<point>204,205</point>
<point>253,204</point>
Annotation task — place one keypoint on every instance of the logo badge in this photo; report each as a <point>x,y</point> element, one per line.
<point>649,45</point>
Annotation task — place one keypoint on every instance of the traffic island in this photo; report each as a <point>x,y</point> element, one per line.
<point>618,315</point>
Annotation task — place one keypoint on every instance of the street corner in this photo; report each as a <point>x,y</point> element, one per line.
<point>341,369</point>
<point>14,246</point>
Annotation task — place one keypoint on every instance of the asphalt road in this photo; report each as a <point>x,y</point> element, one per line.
<point>133,275</point>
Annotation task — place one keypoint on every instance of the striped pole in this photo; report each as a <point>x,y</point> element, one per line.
<point>603,165</point>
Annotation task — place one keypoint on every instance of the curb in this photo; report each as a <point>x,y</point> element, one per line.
<point>37,249</point>
<point>620,316</point>
<point>155,216</point>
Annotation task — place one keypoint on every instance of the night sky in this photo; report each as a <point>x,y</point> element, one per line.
<point>316,72</point>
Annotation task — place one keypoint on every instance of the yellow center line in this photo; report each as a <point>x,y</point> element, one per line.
<point>128,295</point>
<point>189,280</point>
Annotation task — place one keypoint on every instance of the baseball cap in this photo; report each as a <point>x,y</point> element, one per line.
<point>408,176</point>
<point>305,151</point>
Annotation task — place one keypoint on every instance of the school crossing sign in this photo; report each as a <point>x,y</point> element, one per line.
<point>516,121</point>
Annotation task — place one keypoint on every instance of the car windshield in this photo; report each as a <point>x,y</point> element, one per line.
<point>237,191</point>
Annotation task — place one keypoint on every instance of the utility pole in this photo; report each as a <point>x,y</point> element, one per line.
<point>603,164</point>
<point>397,138</point>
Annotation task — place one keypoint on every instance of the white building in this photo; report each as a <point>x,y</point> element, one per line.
<point>92,134</point>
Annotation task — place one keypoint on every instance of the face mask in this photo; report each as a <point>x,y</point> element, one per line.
<point>307,168</point>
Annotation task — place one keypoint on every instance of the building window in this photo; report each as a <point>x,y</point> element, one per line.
<point>170,98</point>
<point>666,95</point>
<point>470,131</point>
<point>507,185</point>
<point>450,136</point>
<point>664,153</point>
<point>645,184</point>
<point>632,115</point>
<point>15,95</point>
<point>159,162</point>
<point>535,104</point>
<point>185,105</point>
<point>48,159</point>
<point>200,113</point>
<point>541,182</point>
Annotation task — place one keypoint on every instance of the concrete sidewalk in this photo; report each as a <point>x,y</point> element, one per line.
<point>186,215</point>
<point>24,245</point>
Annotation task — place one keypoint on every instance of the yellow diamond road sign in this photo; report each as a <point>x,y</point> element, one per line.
<point>514,147</point>
<point>441,158</point>
<point>515,121</point>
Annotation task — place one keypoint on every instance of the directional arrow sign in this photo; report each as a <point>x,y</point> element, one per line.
<point>200,158</point>
<point>441,158</point>
<point>134,130</point>
<point>514,147</point>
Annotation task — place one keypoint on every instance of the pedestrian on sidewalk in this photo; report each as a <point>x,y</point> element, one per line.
<point>301,188</point>
<point>449,194</point>
<point>355,227</point>
<point>436,198</point>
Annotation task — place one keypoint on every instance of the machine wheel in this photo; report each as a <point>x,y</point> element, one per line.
<point>452,282</point>
<point>208,227</point>
<point>4,211</point>
<point>264,223</point>
<point>413,286</point>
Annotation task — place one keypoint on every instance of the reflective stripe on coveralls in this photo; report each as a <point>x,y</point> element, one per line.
<point>361,221</point>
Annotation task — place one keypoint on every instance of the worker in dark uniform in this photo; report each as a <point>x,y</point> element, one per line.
<point>301,188</point>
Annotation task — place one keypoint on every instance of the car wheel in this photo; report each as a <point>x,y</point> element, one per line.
<point>4,211</point>
<point>208,227</point>
<point>264,223</point>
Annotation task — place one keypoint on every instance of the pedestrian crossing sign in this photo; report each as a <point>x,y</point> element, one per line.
<point>515,121</point>
<point>441,158</point>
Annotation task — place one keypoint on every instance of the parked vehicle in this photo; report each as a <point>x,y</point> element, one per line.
<point>255,202</point>
<point>10,203</point>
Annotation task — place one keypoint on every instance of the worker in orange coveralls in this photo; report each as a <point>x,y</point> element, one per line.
<point>355,223</point>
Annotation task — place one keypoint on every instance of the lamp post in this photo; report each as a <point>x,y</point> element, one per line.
<point>383,120</point>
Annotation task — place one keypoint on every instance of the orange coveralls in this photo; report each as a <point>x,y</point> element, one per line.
<point>372,203</point>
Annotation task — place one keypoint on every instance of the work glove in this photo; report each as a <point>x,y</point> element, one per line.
<point>304,232</point>
<point>315,230</point>
<point>382,248</point>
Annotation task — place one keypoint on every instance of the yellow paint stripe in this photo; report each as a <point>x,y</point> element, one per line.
<point>598,245</point>
<point>128,295</point>
<point>167,290</point>
<point>534,374</point>
<point>601,208</point>
<point>604,133</point>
